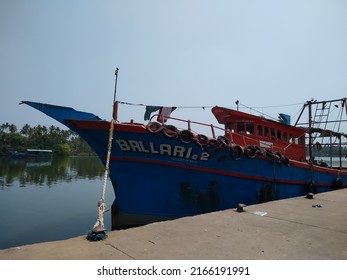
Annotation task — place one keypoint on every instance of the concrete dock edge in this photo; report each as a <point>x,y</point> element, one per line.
<point>291,229</point>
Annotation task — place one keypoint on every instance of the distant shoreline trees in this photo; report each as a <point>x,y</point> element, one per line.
<point>61,142</point>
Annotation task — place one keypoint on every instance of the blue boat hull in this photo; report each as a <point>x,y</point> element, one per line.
<point>153,181</point>
<point>156,177</point>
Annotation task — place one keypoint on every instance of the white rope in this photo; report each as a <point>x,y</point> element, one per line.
<point>102,203</point>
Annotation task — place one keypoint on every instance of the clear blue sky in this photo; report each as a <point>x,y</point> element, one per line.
<point>172,53</point>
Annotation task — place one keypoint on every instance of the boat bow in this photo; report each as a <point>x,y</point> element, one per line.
<point>62,114</point>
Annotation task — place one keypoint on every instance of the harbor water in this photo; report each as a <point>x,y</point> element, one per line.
<point>53,200</point>
<point>50,200</point>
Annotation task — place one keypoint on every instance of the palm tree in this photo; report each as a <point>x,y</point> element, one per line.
<point>12,128</point>
<point>26,130</point>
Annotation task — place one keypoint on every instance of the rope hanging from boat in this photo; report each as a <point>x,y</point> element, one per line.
<point>99,232</point>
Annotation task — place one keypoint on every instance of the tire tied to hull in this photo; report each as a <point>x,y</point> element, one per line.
<point>225,142</point>
<point>154,127</point>
<point>236,152</point>
<point>250,151</point>
<point>253,151</point>
<point>202,140</point>
<point>213,147</point>
<point>186,136</point>
<point>170,131</point>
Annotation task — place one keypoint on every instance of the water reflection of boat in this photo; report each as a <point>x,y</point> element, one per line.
<point>32,154</point>
<point>160,170</point>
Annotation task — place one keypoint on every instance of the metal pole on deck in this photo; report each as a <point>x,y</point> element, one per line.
<point>310,130</point>
<point>115,103</point>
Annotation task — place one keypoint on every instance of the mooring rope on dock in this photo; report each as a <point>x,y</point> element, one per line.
<point>99,232</point>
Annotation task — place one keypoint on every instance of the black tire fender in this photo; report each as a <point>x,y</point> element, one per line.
<point>202,140</point>
<point>236,152</point>
<point>250,151</point>
<point>154,127</point>
<point>224,142</point>
<point>213,146</point>
<point>170,131</point>
<point>186,136</point>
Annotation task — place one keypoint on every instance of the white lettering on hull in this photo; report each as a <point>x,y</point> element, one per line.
<point>176,151</point>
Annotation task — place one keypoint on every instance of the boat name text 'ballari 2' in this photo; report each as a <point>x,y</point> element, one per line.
<point>162,149</point>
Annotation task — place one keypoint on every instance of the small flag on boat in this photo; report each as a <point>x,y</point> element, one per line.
<point>166,112</point>
<point>149,111</point>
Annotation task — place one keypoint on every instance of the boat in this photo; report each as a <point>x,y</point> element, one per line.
<point>164,168</point>
<point>32,154</point>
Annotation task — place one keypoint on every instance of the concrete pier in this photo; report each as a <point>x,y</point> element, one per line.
<point>295,229</point>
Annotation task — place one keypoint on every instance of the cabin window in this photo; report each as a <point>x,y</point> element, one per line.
<point>240,127</point>
<point>266,131</point>
<point>285,138</point>
<point>279,134</point>
<point>296,141</point>
<point>273,133</point>
<point>302,140</point>
<point>290,138</point>
<point>250,128</point>
<point>260,130</point>
<point>230,126</point>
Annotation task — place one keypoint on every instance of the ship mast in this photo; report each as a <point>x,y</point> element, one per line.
<point>115,103</point>
<point>309,103</point>
<point>323,123</point>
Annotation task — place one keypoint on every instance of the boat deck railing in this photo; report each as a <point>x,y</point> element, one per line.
<point>189,124</point>
<point>215,131</point>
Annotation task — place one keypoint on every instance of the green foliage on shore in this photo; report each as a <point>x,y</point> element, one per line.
<point>61,142</point>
